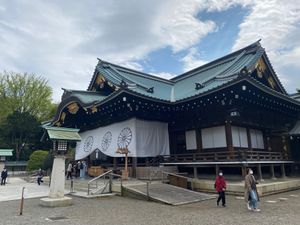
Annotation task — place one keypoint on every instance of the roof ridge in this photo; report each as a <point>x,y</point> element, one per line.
<point>219,61</point>
<point>138,73</point>
<point>81,91</point>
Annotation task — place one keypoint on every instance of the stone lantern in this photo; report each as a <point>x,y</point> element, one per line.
<point>61,138</point>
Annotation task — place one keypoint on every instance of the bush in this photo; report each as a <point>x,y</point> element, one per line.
<point>36,160</point>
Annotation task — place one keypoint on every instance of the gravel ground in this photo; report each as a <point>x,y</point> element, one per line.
<point>120,210</point>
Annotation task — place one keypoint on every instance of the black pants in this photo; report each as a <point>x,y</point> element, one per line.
<point>221,196</point>
<point>40,180</point>
<point>69,174</point>
<point>3,181</point>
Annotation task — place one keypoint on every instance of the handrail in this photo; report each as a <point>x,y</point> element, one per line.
<point>100,176</point>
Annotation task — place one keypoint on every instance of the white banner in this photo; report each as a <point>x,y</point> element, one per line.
<point>142,138</point>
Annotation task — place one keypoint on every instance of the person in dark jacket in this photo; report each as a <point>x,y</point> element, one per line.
<point>40,176</point>
<point>220,185</point>
<point>3,176</point>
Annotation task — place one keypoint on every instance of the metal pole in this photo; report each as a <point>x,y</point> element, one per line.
<point>110,183</point>
<point>22,202</point>
<point>72,186</point>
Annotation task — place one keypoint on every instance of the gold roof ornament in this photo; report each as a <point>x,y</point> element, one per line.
<point>73,108</point>
<point>63,116</point>
<point>100,81</point>
<point>94,109</point>
<point>271,82</point>
<point>260,67</point>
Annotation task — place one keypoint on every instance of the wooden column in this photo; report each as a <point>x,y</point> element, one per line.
<point>217,169</point>
<point>272,172</point>
<point>199,140</point>
<point>115,163</point>
<point>259,172</point>
<point>249,139</point>
<point>195,172</point>
<point>134,166</point>
<point>229,136</point>
<point>283,175</point>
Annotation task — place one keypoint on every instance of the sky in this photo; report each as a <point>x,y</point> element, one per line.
<point>62,39</point>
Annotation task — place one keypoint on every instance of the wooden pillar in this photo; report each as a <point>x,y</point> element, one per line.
<point>147,162</point>
<point>244,171</point>
<point>199,140</point>
<point>195,172</point>
<point>249,139</point>
<point>217,169</point>
<point>282,171</point>
<point>229,136</point>
<point>272,172</point>
<point>115,163</point>
<point>259,172</point>
<point>134,166</point>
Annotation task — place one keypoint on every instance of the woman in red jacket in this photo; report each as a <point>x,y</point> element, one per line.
<point>220,185</point>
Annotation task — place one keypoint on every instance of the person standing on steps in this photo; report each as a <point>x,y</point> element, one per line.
<point>3,176</point>
<point>220,185</point>
<point>251,196</point>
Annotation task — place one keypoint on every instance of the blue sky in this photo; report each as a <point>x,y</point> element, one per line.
<point>61,40</point>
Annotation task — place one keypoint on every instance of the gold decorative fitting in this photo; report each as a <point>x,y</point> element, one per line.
<point>100,79</point>
<point>94,109</point>
<point>260,67</point>
<point>73,108</point>
<point>271,82</point>
<point>63,116</point>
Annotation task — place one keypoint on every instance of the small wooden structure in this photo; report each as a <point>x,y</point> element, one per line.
<point>3,154</point>
<point>124,151</point>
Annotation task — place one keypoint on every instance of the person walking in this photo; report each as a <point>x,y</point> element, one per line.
<point>3,176</point>
<point>40,177</point>
<point>220,185</point>
<point>251,195</point>
<point>69,171</point>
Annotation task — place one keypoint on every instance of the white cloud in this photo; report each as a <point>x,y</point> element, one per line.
<point>192,60</point>
<point>277,23</point>
<point>61,40</point>
<point>164,75</point>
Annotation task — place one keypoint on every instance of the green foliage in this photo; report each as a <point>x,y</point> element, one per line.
<point>37,160</point>
<point>20,131</point>
<point>24,92</point>
<point>48,162</point>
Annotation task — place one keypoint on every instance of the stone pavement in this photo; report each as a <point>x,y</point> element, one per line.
<point>13,189</point>
<point>280,209</point>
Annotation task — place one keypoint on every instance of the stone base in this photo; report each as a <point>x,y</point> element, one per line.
<point>56,202</point>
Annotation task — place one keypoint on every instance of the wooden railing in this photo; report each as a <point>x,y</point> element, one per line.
<point>237,155</point>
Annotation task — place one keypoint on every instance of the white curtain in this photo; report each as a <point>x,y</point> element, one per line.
<point>213,137</point>
<point>257,140</point>
<point>191,140</point>
<point>142,138</point>
<point>239,137</point>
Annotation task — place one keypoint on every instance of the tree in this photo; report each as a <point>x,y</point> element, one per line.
<point>20,131</point>
<point>24,92</point>
<point>37,160</point>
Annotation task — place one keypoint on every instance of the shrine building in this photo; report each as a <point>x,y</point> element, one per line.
<point>230,113</point>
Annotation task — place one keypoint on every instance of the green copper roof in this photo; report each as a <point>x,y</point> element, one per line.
<point>6,152</point>
<point>197,81</point>
<point>209,76</point>
<point>85,97</point>
<point>60,133</point>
